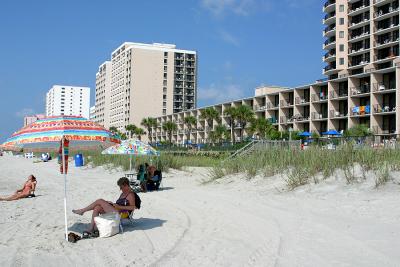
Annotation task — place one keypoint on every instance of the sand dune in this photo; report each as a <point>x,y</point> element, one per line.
<point>234,222</point>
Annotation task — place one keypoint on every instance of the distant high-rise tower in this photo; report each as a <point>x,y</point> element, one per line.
<point>68,100</point>
<point>361,36</point>
<point>146,80</point>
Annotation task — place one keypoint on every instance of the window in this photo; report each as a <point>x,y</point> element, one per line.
<point>341,21</point>
<point>341,48</point>
<point>341,34</point>
<point>341,8</point>
<point>165,68</point>
<point>165,61</point>
<point>165,54</point>
<point>341,61</point>
<point>165,75</point>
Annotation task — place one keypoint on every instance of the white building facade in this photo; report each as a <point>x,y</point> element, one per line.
<point>68,100</point>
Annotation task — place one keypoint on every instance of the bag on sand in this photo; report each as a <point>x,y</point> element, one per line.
<point>108,224</point>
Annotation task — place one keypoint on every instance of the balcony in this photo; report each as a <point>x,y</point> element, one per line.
<point>330,69</point>
<point>272,120</point>
<point>387,41</point>
<point>329,6</point>
<point>259,108</point>
<point>302,101</point>
<point>358,51</point>
<point>381,29</point>
<point>359,23</point>
<point>329,44</point>
<point>329,31</point>
<point>300,118</point>
<point>319,116</point>
<point>329,57</point>
<point>358,63</point>
<point>360,111</point>
<point>360,90</point>
<point>271,106</point>
<point>387,12</point>
<point>337,114</point>
<point>359,37</point>
<point>384,87</point>
<point>359,9</point>
<point>322,97</point>
<point>286,104</point>
<point>389,54</point>
<point>178,92</point>
<point>286,120</point>
<point>386,131</point>
<point>384,109</point>
<point>336,96</point>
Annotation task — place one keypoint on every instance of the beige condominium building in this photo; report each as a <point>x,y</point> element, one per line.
<point>145,80</point>
<point>362,85</point>
<point>103,92</point>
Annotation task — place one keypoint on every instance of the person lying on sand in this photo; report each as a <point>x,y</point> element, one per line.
<point>27,190</point>
<point>124,205</point>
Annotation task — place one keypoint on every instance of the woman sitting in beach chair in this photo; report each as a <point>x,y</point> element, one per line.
<point>125,205</point>
<point>28,190</point>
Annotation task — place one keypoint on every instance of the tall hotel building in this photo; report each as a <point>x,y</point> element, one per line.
<point>362,84</point>
<point>145,80</point>
<point>68,100</point>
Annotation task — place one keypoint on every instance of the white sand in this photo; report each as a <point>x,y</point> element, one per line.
<point>232,223</point>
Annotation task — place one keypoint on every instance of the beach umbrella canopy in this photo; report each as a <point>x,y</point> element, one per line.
<point>331,132</point>
<point>71,132</point>
<point>306,134</point>
<point>45,135</point>
<point>131,147</point>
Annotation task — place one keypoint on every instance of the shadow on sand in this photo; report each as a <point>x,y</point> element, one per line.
<point>137,224</point>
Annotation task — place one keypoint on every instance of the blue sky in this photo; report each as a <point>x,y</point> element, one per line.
<point>241,44</point>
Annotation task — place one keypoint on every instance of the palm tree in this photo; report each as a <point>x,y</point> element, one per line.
<point>170,127</point>
<point>113,129</point>
<point>189,121</point>
<point>244,115</point>
<point>209,114</point>
<point>139,132</point>
<point>231,112</point>
<point>261,127</point>
<point>149,123</point>
<point>131,129</point>
<point>220,133</point>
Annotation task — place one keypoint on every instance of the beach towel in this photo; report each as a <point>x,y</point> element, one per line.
<point>368,109</point>
<point>362,110</point>
<point>356,110</point>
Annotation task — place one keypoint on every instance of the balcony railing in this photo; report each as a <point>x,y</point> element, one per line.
<point>337,114</point>
<point>389,39</point>
<point>335,95</point>
<point>329,2</point>
<point>382,12</point>
<point>379,87</point>
<point>359,35</point>
<point>301,100</point>
<point>272,120</point>
<point>361,110</point>
<point>379,130</point>
<point>359,90</point>
<point>285,103</point>
<point>319,98</point>
<point>393,53</point>
<point>272,105</point>
<point>285,119</point>
<point>356,50</point>
<point>259,108</point>
<point>379,109</point>
<point>364,5</point>
<point>386,26</point>
<point>301,117</point>
<point>318,116</point>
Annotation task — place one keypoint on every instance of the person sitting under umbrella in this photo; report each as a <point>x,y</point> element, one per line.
<point>124,205</point>
<point>27,190</point>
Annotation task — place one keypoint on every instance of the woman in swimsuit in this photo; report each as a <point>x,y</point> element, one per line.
<point>125,204</point>
<point>28,189</point>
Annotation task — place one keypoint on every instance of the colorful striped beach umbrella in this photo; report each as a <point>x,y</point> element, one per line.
<point>45,135</point>
<point>131,147</point>
<point>76,133</point>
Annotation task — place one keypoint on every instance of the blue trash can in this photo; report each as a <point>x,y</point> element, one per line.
<point>78,160</point>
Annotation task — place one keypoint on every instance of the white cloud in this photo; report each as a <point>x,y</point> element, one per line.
<point>24,112</point>
<point>217,94</point>
<point>238,7</point>
<point>228,38</point>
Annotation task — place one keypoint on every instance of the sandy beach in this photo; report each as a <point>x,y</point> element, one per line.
<point>232,222</point>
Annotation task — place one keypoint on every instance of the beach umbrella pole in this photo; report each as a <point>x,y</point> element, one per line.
<point>130,162</point>
<point>65,191</point>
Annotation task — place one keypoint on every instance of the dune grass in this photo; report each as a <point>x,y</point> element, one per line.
<point>302,167</point>
<point>164,162</point>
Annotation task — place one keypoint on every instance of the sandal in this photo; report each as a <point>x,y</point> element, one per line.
<point>87,234</point>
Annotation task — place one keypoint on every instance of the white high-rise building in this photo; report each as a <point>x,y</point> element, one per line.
<point>68,100</point>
